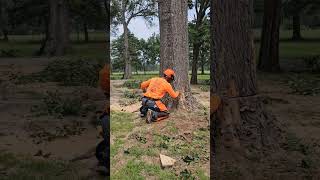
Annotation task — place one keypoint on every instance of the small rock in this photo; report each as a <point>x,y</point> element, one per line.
<point>166,161</point>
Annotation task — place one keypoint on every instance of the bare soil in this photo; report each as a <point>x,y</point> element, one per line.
<point>46,137</point>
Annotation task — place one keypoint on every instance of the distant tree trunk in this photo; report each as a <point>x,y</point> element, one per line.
<point>128,67</point>
<point>269,49</point>
<point>239,120</point>
<point>45,40</point>
<point>296,34</point>
<point>108,24</point>
<point>174,48</point>
<point>59,40</point>
<point>85,32</point>
<point>144,69</point>
<point>194,74</point>
<point>200,14</point>
<point>202,63</point>
<point>4,20</point>
<point>78,34</point>
<point>5,35</point>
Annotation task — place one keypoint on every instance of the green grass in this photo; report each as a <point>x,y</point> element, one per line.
<point>122,123</point>
<point>26,168</point>
<point>27,45</point>
<point>294,49</point>
<point>138,170</point>
<point>287,34</point>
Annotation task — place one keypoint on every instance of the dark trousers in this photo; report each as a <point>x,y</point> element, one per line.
<point>147,104</point>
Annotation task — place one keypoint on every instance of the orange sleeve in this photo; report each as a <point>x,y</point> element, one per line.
<point>145,84</point>
<point>104,78</point>
<point>171,92</point>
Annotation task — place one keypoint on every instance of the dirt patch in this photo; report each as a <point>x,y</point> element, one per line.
<point>44,136</point>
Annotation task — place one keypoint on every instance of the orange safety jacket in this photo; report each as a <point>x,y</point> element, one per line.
<point>156,88</point>
<point>104,82</point>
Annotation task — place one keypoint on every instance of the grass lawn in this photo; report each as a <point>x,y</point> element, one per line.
<point>27,45</point>
<point>291,50</point>
<point>13,167</point>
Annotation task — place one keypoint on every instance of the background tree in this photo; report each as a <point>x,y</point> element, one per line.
<point>4,18</point>
<point>295,9</point>
<point>269,47</point>
<point>150,52</point>
<point>200,35</point>
<point>117,53</point>
<point>201,7</point>
<point>128,10</point>
<point>59,27</point>
<point>174,47</point>
<point>88,14</point>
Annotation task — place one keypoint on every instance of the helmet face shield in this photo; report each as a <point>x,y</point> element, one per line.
<point>169,73</point>
<point>172,77</point>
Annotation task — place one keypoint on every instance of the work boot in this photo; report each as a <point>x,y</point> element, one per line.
<point>150,116</point>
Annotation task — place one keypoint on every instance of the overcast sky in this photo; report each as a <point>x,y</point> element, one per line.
<point>141,30</point>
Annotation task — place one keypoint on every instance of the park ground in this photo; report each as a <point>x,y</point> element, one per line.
<point>44,123</point>
<point>38,142</point>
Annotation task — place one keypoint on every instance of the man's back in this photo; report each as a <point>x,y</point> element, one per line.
<point>157,87</point>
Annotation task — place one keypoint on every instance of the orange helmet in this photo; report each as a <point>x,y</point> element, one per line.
<point>169,72</point>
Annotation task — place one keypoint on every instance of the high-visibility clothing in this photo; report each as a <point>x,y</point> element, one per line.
<point>169,72</point>
<point>156,88</point>
<point>104,82</point>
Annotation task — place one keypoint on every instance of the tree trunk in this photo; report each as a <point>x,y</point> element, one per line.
<point>4,20</point>
<point>128,67</point>
<point>269,49</point>
<point>85,32</point>
<point>108,24</point>
<point>174,49</point>
<point>296,34</point>
<point>194,74</point>
<point>5,35</point>
<point>59,40</point>
<point>45,41</point>
<point>202,64</point>
<point>239,122</point>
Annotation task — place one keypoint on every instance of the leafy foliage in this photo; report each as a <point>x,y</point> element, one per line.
<point>313,63</point>
<point>132,84</point>
<point>304,86</point>
<point>69,72</point>
<point>145,54</point>
<point>55,104</point>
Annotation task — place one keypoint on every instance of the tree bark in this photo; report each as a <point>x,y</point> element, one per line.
<point>5,35</point>
<point>200,13</point>
<point>108,24</point>
<point>4,21</point>
<point>128,67</point>
<point>45,40</point>
<point>194,74</point>
<point>85,32</point>
<point>59,40</point>
<point>269,49</point>
<point>202,63</point>
<point>174,49</point>
<point>239,121</point>
<point>296,30</point>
